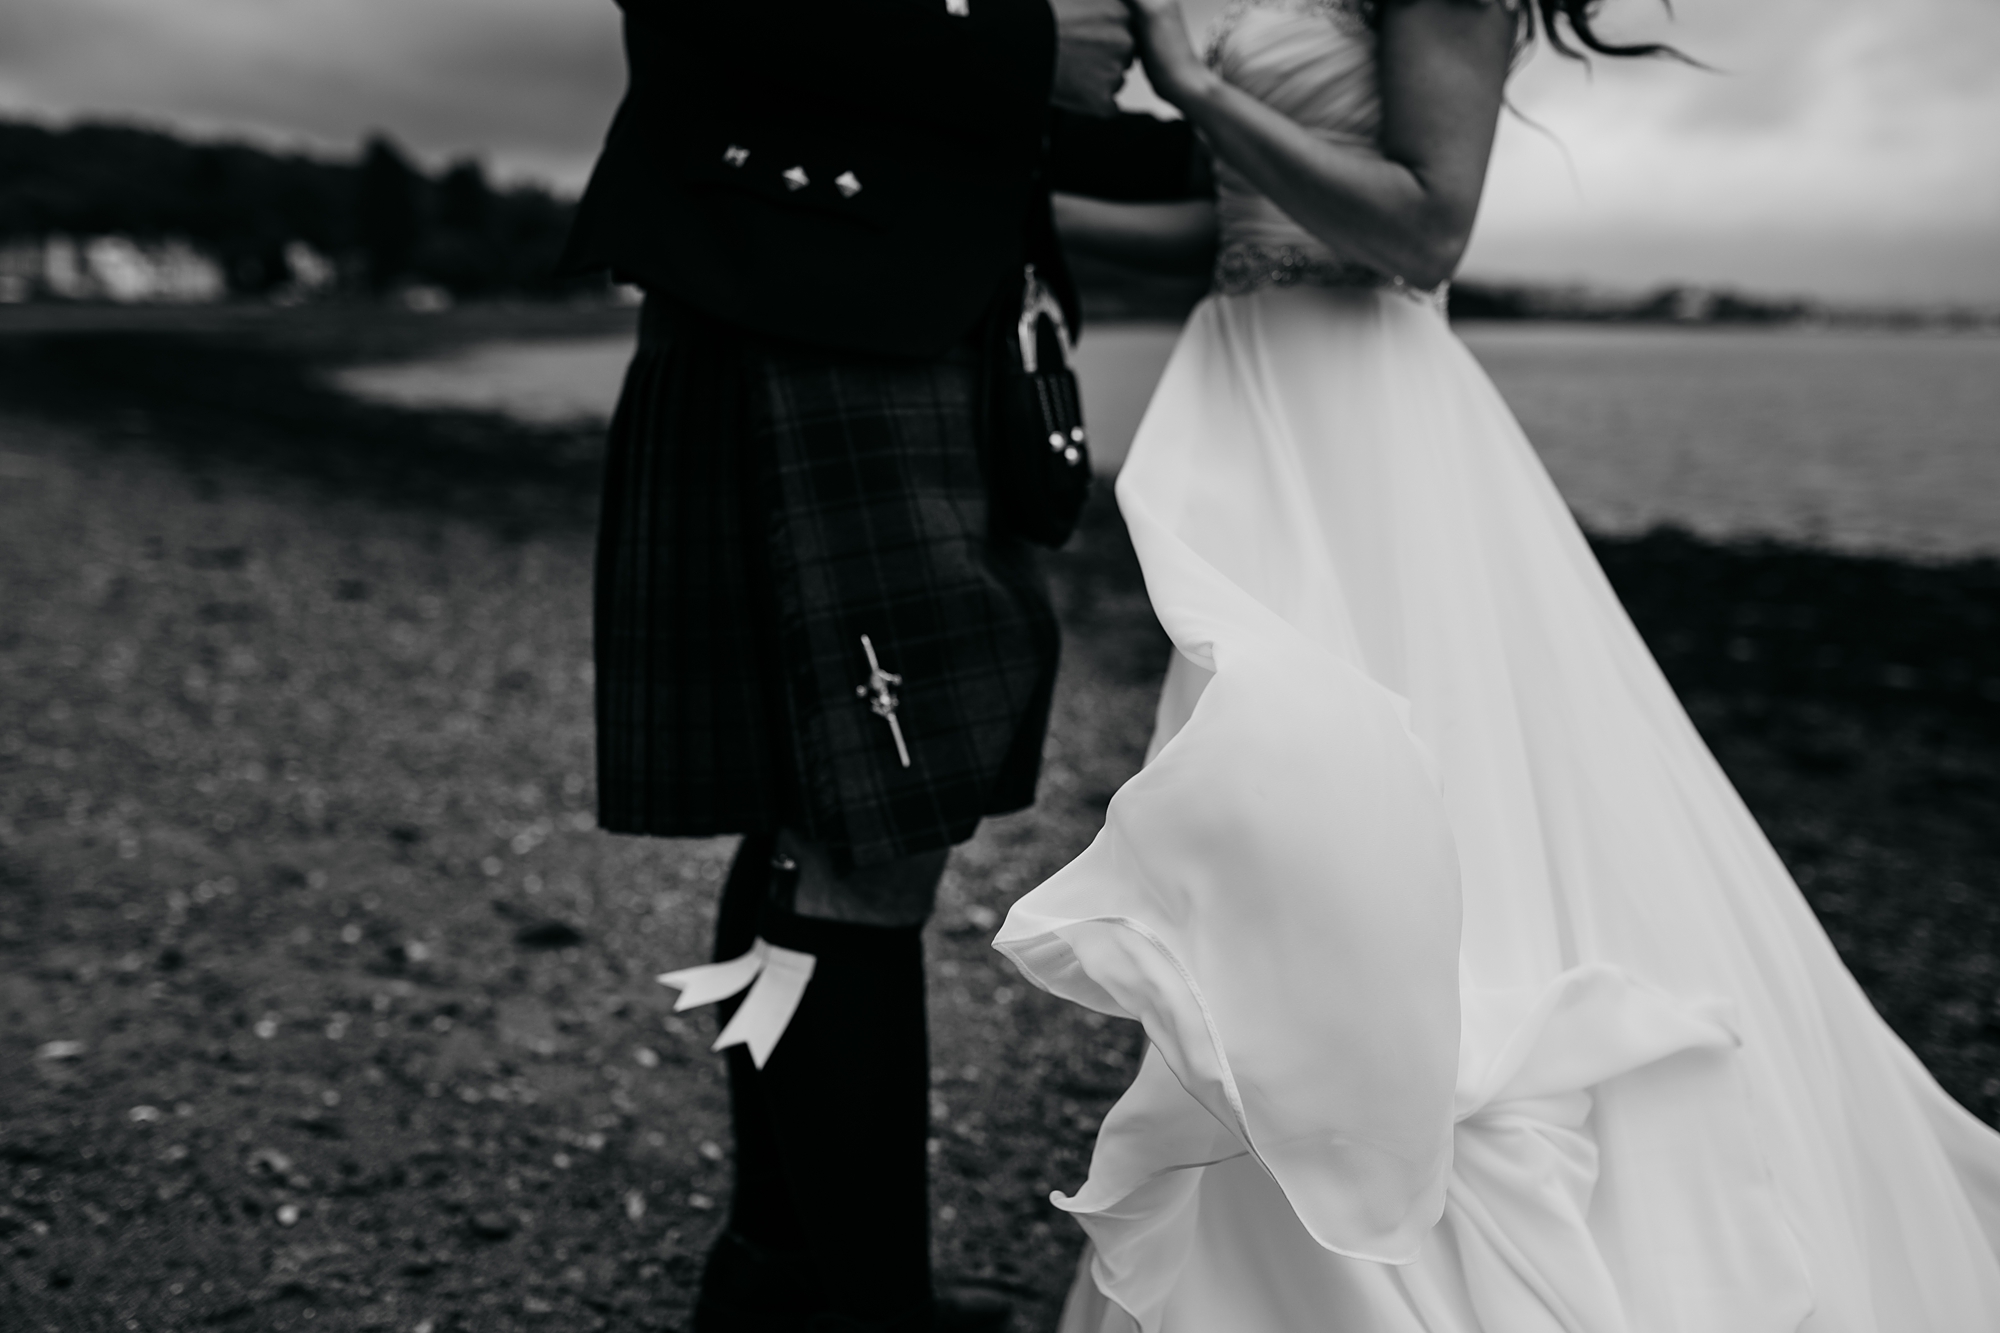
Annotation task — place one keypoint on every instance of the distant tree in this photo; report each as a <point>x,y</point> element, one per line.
<point>380,218</point>
<point>530,231</point>
<point>1736,308</point>
<point>1485,300</point>
<point>465,202</point>
<point>460,253</point>
<point>388,213</point>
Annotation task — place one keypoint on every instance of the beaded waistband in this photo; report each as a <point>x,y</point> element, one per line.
<point>1243,267</point>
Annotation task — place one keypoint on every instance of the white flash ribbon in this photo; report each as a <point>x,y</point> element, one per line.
<point>780,977</point>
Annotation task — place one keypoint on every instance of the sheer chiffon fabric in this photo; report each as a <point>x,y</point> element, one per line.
<point>1477,1001</point>
<point>1476,998</point>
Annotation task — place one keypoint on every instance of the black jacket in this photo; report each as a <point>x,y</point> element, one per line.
<point>860,174</point>
<point>854,173</point>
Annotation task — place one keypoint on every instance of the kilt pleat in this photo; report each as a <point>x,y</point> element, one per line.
<point>765,507</point>
<point>686,742</point>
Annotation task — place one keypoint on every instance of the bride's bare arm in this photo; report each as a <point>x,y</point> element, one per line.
<point>1406,209</point>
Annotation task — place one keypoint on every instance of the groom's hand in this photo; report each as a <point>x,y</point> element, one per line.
<point>1093,48</point>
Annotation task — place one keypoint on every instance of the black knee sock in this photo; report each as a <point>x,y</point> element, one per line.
<point>743,894</point>
<point>847,1091</point>
<point>760,1209</point>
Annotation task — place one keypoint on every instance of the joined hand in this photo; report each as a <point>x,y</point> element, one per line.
<point>1093,48</point>
<point>1166,50</point>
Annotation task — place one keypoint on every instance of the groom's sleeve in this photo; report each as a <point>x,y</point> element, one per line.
<point>1129,158</point>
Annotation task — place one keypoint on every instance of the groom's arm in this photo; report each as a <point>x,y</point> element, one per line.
<point>1130,158</point>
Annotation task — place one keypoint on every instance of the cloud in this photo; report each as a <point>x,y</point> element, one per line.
<point>1831,118</point>
<point>531,83</point>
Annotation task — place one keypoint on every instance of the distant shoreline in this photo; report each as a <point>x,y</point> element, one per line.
<point>1121,296</point>
<point>590,317</point>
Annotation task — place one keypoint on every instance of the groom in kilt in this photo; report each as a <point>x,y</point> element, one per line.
<point>809,631</point>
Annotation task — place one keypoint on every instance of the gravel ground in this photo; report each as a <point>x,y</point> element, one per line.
<point>322,1004</point>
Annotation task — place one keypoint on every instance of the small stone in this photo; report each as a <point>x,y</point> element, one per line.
<point>271,1162</point>
<point>647,1057</point>
<point>491,1226</point>
<point>266,1027</point>
<point>288,1214</point>
<point>635,1205</point>
<point>59,1050</point>
<point>701,1203</point>
<point>711,1150</point>
<point>146,1115</point>
<point>548,934</point>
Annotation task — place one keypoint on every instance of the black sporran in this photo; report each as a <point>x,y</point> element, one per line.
<point>1041,463</point>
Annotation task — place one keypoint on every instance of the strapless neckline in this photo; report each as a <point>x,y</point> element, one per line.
<point>1314,61</point>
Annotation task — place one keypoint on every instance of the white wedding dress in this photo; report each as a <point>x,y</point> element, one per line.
<point>1477,1002</point>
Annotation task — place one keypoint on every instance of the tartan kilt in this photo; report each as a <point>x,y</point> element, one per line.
<point>765,506</point>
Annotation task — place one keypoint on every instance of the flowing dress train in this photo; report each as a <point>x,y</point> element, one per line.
<point>1477,1001</point>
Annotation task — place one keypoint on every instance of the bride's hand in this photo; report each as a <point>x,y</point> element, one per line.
<point>1093,47</point>
<point>1172,66</point>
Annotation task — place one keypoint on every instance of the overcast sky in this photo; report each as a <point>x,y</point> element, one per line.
<point>1851,148</point>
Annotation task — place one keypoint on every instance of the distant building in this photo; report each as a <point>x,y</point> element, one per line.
<point>20,271</point>
<point>308,275</point>
<point>109,268</point>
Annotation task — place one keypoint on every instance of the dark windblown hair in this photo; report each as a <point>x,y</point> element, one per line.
<point>1570,26</point>
<point>1580,17</point>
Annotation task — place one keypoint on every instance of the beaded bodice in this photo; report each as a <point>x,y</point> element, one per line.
<point>1314,60</point>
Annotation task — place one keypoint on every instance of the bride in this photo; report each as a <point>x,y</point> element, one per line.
<point>1477,1002</point>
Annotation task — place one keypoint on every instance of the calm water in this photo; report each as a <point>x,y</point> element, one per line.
<point>1861,441</point>
<point>1858,441</point>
